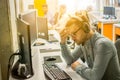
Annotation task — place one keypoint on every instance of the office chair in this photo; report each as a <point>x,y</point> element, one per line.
<point>117,45</point>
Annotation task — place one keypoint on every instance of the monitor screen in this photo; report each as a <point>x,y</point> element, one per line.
<point>30,17</point>
<point>109,11</point>
<point>42,27</point>
<point>23,32</point>
<point>118,2</point>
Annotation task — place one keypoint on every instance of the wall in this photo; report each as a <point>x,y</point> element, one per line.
<point>118,12</point>
<point>13,28</point>
<point>0,73</point>
<point>52,5</point>
<point>26,3</point>
<point>5,38</point>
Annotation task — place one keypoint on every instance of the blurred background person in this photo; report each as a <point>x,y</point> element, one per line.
<point>60,13</point>
<point>60,17</point>
<point>93,19</point>
<point>48,15</point>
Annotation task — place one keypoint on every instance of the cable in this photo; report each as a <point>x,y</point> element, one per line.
<point>9,65</point>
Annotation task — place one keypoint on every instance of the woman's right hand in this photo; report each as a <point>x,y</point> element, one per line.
<point>63,35</point>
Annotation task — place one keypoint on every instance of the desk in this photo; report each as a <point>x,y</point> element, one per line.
<point>38,60</point>
<point>62,65</point>
<point>116,31</point>
<point>37,66</point>
<point>106,27</point>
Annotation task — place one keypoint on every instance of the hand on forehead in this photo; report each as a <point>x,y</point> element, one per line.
<point>70,29</point>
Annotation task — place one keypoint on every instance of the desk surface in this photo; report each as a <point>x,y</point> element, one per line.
<point>109,20</point>
<point>117,25</point>
<point>116,31</point>
<point>40,61</point>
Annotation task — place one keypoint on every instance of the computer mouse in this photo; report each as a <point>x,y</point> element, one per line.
<point>39,44</point>
<point>51,59</point>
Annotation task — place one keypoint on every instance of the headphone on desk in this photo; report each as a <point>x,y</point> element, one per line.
<point>83,22</point>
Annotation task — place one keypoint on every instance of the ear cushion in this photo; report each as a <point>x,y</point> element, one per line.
<point>86,27</point>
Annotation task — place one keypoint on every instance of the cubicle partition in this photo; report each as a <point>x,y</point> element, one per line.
<point>105,26</point>
<point>116,32</point>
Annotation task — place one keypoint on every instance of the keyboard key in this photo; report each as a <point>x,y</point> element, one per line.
<point>55,73</point>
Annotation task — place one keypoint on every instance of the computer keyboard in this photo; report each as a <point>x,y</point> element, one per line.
<point>53,72</point>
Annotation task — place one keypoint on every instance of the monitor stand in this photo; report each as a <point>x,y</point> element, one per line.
<point>20,71</point>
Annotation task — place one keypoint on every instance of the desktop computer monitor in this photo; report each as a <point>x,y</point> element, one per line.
<point>22,69</point>
<point>43,30</point>
<point>30,16</point>
<point>42,27</point>
<point>118,2</point>
<point>109,11</point>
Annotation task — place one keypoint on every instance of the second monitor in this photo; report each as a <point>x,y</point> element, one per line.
<point>43,30</point>
<point>30,16</point>
<point>42,27</point>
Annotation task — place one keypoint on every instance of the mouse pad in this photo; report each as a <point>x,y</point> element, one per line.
<point>52,59</point>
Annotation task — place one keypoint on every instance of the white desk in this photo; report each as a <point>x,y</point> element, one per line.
<point>109,20</point>
<point>39,62</point>
<point>38,59</point>
<point>37,66</point>
<point>116,30</point>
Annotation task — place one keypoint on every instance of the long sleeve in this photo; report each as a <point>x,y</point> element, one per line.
<point>101,58</point>
<point>70,57</point>
<point>104,52</point>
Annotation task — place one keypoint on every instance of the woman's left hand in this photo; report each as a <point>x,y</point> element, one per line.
<point>74,65</point>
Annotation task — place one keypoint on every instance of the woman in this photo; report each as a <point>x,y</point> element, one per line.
<point>99,52</point>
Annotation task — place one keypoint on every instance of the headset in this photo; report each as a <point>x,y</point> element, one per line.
<point>85,24</point>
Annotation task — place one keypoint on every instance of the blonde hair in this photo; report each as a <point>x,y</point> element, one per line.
<point>79,21</point>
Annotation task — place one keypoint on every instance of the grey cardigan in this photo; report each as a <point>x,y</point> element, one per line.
<point>100,55</point>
